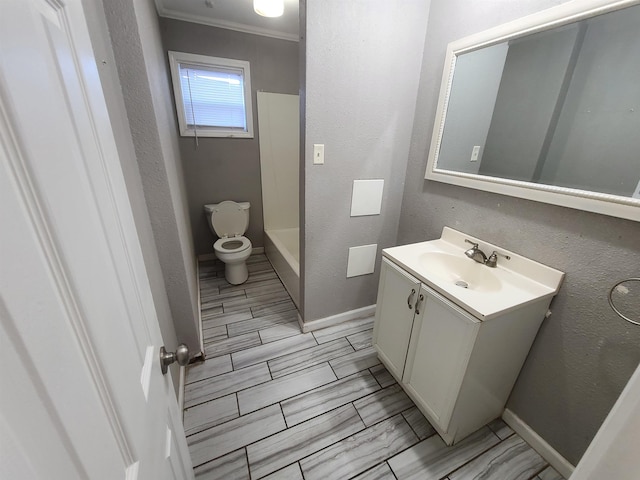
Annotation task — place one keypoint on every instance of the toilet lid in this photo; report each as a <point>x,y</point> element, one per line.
<point>229,219</point>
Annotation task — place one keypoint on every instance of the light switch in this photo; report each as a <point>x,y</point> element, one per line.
<point>318,153</point>
<point>474,153</point>
<point>362,260</point>
<point>366,198</point>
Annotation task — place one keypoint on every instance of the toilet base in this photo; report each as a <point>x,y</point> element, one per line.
<point>236,273</point>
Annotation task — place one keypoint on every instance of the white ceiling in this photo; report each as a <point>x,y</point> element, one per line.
<point>233,15</point>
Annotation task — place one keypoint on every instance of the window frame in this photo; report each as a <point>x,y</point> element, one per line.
<point>177,58</point>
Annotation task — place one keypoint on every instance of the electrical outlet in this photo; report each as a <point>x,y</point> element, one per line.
<point>318,153</point>
<point>474,153</point>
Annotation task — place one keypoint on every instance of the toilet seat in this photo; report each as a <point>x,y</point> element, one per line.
<point>229,244</point>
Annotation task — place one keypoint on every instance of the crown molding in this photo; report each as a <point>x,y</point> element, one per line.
<point>212,22</point>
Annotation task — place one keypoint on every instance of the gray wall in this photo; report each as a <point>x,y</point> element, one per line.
<point>473,96</point>
<point>584,354</point>
<point>596,142</point>
<point>229,168</point>
<point>529,93</point>
<point>362,70</point>
<point>115,103</point>
<point>140,63</point>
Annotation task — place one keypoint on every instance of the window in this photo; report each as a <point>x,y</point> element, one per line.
<point>213,95</point>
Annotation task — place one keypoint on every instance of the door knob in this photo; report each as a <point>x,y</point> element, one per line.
<point>181,355</point>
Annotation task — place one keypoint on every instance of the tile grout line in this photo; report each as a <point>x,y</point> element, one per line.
<point>375,378</point>
<point>236,392</point>
<point>540,471</point>
<point>288,428</point>
<point>275,358</point>
<point>246,456</point>
<point>360,431</point>
<point>267,381</point>
<point>368,469</point>
<point>391,469</point>
<point>367,370</point>
<point>358,413</point>
<point>244,446</point>
<point>411,426</point>
<point>475,457</point>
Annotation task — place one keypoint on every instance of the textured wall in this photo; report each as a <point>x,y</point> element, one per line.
<point>526,102</point>
<point>143,76</point>
<point>362,68</point>
<point>470,108</point>
<point>229,168</point>
<point>597,119</point>
<point>584,354</point>
<point>122,133</point>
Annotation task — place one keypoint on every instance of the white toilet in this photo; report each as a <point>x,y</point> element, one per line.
<point>229,220</point>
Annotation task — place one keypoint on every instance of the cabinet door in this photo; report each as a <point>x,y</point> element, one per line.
<point>440,347</point>
<point>397,294</point>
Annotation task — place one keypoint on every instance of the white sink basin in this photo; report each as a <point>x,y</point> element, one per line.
<point>461,271</point>
<point>483,291</point>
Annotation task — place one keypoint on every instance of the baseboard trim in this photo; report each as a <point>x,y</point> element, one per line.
<point>200,328</point>
<point>337,319</point>
<point>539,444</point>
<point>205,257</point>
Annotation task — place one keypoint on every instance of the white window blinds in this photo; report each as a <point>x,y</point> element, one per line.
<point>213,97</point>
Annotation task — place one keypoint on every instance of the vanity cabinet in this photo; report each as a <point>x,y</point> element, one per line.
<point>457,369</point>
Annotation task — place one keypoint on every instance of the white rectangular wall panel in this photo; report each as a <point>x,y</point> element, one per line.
<point>367,197</point>
<point>362,260</point>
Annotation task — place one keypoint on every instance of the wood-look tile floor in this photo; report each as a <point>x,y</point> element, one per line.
<point>271,402</point>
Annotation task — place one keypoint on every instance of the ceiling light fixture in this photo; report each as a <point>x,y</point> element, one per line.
<point>269,8</point>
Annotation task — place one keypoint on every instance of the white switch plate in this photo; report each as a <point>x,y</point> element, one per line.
<point>318,153</point>
<point>366,198</point>
<point>362,260</point>
<point>474,153</point>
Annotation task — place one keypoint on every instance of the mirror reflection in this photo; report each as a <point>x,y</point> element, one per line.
<point>559,107</point>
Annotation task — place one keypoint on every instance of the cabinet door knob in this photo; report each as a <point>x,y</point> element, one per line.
<point>410,298</point>
<point>420,299</point>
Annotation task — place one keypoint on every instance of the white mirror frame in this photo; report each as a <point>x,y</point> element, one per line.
<point>574,11</point>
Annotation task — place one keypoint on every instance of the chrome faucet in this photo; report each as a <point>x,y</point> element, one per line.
<point>475,254</point>
<point>492,261</point>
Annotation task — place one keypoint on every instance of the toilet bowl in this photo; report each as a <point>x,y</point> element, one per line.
<point>229,220</point>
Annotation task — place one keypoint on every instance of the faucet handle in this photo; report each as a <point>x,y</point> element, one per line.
<point>475,245</point>
<point>492,261</point>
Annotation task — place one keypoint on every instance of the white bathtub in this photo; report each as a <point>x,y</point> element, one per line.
<point>282,248</point>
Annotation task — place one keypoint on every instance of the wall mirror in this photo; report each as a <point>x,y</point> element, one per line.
<point>546,108</point>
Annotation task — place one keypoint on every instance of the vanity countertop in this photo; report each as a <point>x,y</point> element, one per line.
<point>442,265</point>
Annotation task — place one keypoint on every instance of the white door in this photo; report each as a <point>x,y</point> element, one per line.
<point>81,392</point>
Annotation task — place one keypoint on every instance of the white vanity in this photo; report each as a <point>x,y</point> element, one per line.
<point>455,333</point>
